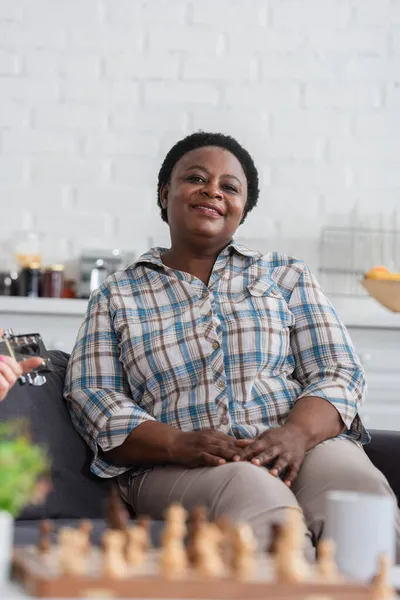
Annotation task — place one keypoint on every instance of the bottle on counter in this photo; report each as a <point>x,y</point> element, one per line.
<point>98,274</point>
<point>69,288</point>
<point>29,280</point>
<point>53,282</point>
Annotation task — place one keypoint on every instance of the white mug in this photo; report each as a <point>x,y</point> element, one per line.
<point>362,527</point>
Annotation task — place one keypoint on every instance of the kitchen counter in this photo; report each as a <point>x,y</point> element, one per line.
<point>362,312</point>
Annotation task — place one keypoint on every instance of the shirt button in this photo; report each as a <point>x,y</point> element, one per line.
<point>225,421</point>
<point>209,314</point>
<point>215,345</point>
<point>220,384</point>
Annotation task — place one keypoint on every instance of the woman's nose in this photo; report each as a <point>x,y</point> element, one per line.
<point>212,190</point>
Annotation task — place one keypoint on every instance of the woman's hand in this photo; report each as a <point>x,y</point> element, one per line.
<point>205,448</point>
<point>10,370</point>
<point>281,449</point>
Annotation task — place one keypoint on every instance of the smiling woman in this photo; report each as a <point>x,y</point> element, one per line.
<point>203,362</point>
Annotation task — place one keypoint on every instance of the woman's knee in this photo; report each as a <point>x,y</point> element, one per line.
<point>246,488</point>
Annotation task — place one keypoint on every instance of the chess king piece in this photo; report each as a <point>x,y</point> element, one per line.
<point>290,564</point>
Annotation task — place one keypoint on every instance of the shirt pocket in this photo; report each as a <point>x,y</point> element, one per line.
<point>267,301</point>
<point>257,322</point>
<point>260,299</point>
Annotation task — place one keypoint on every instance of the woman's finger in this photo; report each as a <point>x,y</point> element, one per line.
<point>267,456</point>
<point>253,449</point>
<point>244,443</point>
<point>292,475</point>
<point>209,460</point>
<point>282,462</point>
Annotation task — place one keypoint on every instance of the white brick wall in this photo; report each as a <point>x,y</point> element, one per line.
<point>94,92</point>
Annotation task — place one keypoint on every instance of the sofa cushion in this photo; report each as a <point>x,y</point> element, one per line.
<point>76,491</point>
<point>384,452</point>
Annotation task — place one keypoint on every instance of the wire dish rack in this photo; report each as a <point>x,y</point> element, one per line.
<point>347,253</point>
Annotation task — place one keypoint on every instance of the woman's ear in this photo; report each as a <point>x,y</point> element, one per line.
<point>164,195</point>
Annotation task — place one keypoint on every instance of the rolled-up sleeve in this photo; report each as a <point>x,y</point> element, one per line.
<point>97,390</point>
<point>326,363</point>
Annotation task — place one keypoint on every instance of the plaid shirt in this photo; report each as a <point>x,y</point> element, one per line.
<point>158,344</point>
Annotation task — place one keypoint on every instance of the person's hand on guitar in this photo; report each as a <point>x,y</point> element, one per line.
<point>11,370</point>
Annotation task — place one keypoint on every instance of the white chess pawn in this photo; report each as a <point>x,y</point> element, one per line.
<point>244,552</point>
<point>137,542</point>
<point>326,565</point>
<point>114,564</point>
<point>381,588</point>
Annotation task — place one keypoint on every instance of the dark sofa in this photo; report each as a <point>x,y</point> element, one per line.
<point>77,493</point>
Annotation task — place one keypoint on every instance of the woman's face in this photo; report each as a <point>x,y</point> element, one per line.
<point>206,195</point>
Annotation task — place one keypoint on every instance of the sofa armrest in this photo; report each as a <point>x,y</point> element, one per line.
<point>384,452</point>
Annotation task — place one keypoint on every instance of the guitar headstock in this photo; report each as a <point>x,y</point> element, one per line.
<point>24,346</point>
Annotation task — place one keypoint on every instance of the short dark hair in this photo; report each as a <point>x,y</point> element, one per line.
<point>199,140</point>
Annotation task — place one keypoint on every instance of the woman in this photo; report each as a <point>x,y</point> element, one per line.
<point>199,364</point>
<point>11,370</point>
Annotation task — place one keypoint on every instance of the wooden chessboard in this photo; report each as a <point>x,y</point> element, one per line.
<point>41,577</point>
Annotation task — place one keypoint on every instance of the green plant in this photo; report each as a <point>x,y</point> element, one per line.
<point>22,464</point>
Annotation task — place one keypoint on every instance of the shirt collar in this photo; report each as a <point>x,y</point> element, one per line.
<point>153,256</point>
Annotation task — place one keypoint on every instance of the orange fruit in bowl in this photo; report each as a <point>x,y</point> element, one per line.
<point>380,272</point>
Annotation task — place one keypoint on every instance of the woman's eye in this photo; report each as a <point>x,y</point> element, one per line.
<point>196,179</point>
<point>230,188</point>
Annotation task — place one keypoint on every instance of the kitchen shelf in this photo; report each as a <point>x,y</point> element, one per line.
<point>362,312</point>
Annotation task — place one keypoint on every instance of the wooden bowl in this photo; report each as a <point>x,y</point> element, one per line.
<point>385,291</point>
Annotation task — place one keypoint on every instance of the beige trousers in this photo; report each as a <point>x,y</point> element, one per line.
<point>248,493</point>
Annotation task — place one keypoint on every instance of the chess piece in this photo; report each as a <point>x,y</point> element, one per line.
<point>207,549</point>
<point>115,512</point>
<point>198,518</point>
<point>243,561</point>
<point>290,564</point>
<point>86,528</point>
<point>114,564</point>
<point>137,545</point>
<point>71,551</point>
<point>173,560</point>
<point>225,526</point>
<point>380,585</point>
<point>45,529</point>
<point>326,565</point>
<point>144,521</point>
<point>276,529</point>
<point>175,523</point>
